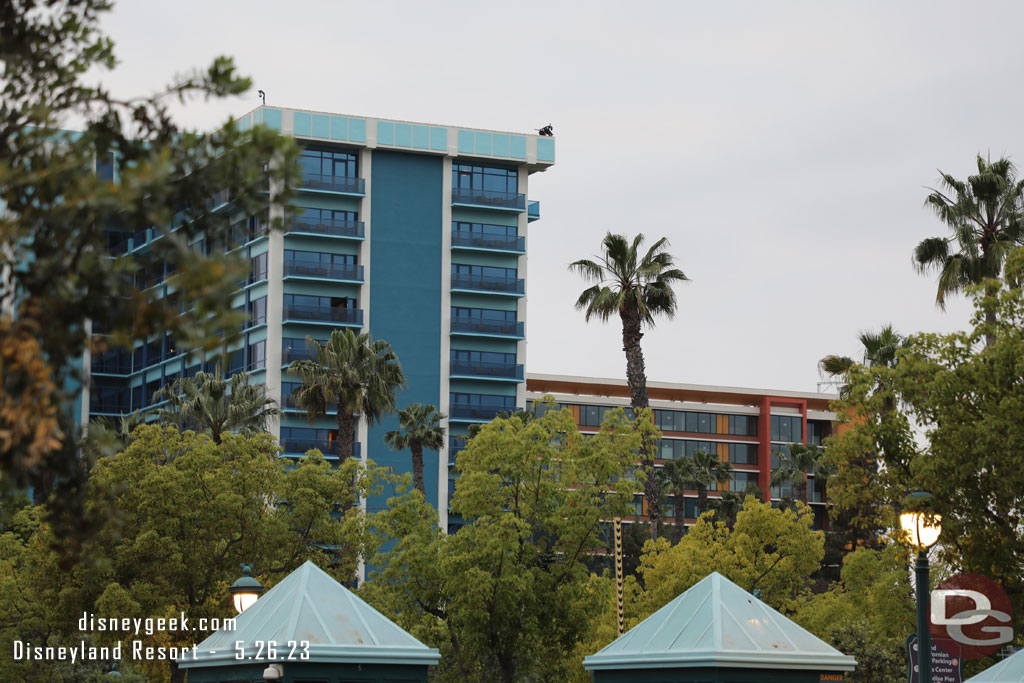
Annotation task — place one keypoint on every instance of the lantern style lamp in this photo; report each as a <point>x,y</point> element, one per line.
<point>924,531</point>
<point>246,590</point>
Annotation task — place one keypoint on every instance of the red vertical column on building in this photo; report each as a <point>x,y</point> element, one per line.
<point>764,448</point>
<point>803,414</point>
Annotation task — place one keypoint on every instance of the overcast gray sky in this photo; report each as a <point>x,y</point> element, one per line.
<point>782,147</point>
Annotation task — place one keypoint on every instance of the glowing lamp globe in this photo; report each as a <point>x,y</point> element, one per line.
<point>246,590</point>
<point>924,533</point>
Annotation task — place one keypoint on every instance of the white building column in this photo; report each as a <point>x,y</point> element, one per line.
<point>444,395</point>
<point>522,224</point>
<point>275,308</point>
<point>362,429</point>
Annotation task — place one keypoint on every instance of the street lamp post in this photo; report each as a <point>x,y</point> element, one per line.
<point>245,590</point>
<point>924,530</point>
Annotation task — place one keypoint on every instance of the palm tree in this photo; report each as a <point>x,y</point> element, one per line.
<point>637,287</point>
<point>676,476</point>
<point>419,427</point>
<point>210,403</point>
<point>986,217</point>
<point>796,464</point>
<point>353,375</point>
<point>707,469</point>
<point>879,351</point>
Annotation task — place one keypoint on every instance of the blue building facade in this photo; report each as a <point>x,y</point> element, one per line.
<point>414,233</point>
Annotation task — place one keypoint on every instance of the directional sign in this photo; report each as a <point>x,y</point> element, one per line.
<point>945,667</point>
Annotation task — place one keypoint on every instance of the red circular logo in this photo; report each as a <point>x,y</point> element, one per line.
<point>970,616</point>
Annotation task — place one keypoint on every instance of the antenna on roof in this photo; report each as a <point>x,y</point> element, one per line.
<point>263,96</point>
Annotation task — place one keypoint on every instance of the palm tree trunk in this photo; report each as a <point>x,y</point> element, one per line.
<point>636,375</point>
<point>346,434</point>
<point>702,500</point>
<point>990,320</point>
<point>417,467</point>
<point>679,513</point>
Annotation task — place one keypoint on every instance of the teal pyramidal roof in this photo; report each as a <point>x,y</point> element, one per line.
<point>718,624</point>
<point>1010,670</point>
<point>310,605</point>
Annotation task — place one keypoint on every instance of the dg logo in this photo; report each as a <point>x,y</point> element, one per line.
<point>970,616</point>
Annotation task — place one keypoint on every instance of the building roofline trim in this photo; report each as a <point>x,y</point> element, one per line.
<point>598,381</point>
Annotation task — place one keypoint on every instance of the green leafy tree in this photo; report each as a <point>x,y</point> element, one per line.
<point>187,512</point>
<point>216,405</point>
<point>508,596</point>
<point>986,216</point>
<point>419,427</point>
<point>775,551</point>
<point>728,505</point>
<point>869,614</point>
<point>967,400</point>
<point>59,217</point>
<point>637,287</point>
<point>851,528</point>
<point>353,376</point>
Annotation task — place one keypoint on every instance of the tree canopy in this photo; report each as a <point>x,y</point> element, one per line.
<point>185,513</point>
<point>64,216</point>
<point>966,400</point>
<point>507,597</point>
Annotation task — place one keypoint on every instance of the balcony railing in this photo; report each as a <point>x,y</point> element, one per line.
<point>492,198</point>
<point>111,367</point>
<point>533,211</point>
<point>109,407</point>
<point>293,354</point>
<point>323,314</point>
<point>476,412</point>
<point>328,271</point>
<point>333,183</point>
<point>328,226</point>
<point>488,283</point>
<point>509,328</point>
<point>141,237</point>
<point>486,241</point>
<point>288,403</point>
<point>329,447</point>
<point>454,450</point>
<point>485,369</point>
<point>218,200</point>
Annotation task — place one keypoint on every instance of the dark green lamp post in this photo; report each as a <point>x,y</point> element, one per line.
<point>246,590</point>
<point>923,530</point>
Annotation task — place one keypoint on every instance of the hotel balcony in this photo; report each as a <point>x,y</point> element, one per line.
<point>335,184</point>
<point>289,355</point>
<point>491,199</point>
<point>329,447</point>
<point>533,211</point>
<point>463,412</point>
<point>323,315</point>
<point>454,450</point>
<point>484,370</point>
<point>508,286</point>
<point>488,328</point>
<point>484,242</point>
<point>345,272</point>
<point>327,228</point>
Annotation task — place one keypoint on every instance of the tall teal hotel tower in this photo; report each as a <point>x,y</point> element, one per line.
<point>414,233</point>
